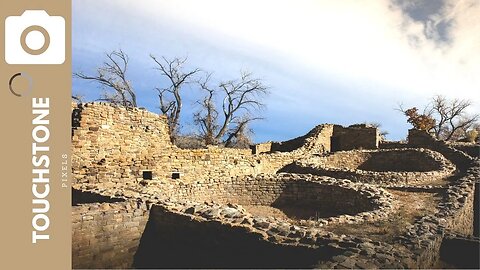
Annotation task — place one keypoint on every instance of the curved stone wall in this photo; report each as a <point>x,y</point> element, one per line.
<point>353,202</point>
<point>206,215</point>
<point>321,196</point>
<point>387,167</point>
<point>405,160</point>
<point>204,222</point>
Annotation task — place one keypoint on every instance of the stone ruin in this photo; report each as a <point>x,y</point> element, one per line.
<point>316,201</point>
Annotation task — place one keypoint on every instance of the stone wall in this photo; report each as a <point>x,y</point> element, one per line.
<point>111,143</point>
<point>402,161</point>
<point>106,235</point>
<point>461,251</point>
<point>454,215</point>
<point>215,200</point>
<point>262,148</point>
<point>204,233</point>
<point>179,241</point>
<point>278,191</point>
<point>318,139</point>
<point>192,226</point>
<point>420,138</point>
<point>329,138</point>
<point>392,145</point>
<point>354,137</point>
<point>196,221</point>
<point>472,149</point>
<point>387,167</point>
<point>117,144</point>
<point>407,160</point>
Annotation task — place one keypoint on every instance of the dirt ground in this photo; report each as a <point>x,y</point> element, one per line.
<point>409,206</point>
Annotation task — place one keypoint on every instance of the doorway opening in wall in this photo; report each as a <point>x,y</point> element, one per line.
<point>147,175</point>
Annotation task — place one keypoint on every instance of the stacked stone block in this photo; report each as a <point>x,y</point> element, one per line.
<point>107,235</point>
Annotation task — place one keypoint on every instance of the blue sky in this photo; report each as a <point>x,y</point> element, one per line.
<point>340,62</point>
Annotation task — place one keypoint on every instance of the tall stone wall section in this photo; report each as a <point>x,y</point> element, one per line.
<point>329,138</point>
<point>111,143</point>
<point>107,235</point>
<point>317,140</point>
<point>354,137</point>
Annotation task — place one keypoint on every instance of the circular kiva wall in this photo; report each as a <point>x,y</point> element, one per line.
<point>319,200</point>
<point>214,213</point>
<point>390,166</point>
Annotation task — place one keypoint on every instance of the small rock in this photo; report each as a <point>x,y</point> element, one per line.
<point>339,258</point>
<point>211,213</point>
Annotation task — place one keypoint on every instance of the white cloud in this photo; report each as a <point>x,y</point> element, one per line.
<point>372,46</point>
<point>354,40</point>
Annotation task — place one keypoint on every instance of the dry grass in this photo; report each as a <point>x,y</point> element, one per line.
<point>439,182</point>
<point>408,207</point>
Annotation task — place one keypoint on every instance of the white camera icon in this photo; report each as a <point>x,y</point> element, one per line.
<point>35,38</point>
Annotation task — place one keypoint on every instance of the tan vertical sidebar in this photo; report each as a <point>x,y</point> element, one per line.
<point>35,95</point>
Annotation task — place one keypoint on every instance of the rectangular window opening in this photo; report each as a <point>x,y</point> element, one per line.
<point>147,175</point>
<point>175,175</point>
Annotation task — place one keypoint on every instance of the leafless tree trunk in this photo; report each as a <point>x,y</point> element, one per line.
<point>240,98</point>
<point>207,117</point>
<point>170,97</point>
<point>240,95</point>
<point>239,135</point>
<point>451,117</point>
<point>112,75</point>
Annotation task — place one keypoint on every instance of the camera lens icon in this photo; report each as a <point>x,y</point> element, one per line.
<point>35,38</point>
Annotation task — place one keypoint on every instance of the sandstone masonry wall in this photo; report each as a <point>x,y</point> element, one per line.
<point>111,143</point>
<point>354,137</point>
<point>106,235</point>
<point>279,191</point>
<point>385,167</point>
<point>471,149</point>
<point>392,145</point>
<point>179,241</point>
<point>117,144</point>
<point>419,138</point>
<point>318,139</point>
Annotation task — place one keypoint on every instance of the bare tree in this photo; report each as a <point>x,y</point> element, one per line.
<point>112,75</point>
<point>170,97</point>
<point>451,117</point>
<point>239,136</point>
<point>241,97</point>
<point>207,117</point>
<point>448,119</point>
